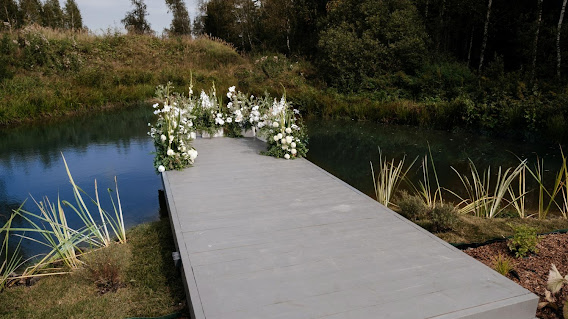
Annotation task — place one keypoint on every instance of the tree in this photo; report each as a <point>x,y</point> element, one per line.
<point>52,14</point>
<point>181,24</point>
<point>485,33</point>
<point>535,43</point>
<point>8,14</point>
<point>31,12</point>
<point>558,53</point>
<point>369,38</point>
<point>135,20</point>
<point>72,16</point>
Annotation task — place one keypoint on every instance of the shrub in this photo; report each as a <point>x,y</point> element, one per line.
<point>502,264</point>
<point>524,241</point>
<point>444,218</point>
<point>412,207</point>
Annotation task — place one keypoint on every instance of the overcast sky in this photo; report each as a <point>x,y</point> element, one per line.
<point>99,15</point>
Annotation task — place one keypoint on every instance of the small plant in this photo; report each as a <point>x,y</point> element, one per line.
<point>444,218</point>
<point>411,207</point>
<point>524,241</point>
<point>106,267</point>
<point>502,264</point>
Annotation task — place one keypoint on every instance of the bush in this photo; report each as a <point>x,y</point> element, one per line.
<point>524,241</point>
<point>444,218</point>
<point>412,207</point>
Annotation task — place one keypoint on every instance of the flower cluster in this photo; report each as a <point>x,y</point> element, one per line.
<point>180,119</point>
<point>284,132</point>
<point>173,131</point>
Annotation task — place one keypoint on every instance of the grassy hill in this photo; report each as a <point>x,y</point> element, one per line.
<point>47,73</point>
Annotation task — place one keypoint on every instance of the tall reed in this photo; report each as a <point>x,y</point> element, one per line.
<point>66,244</point>
<point>424,190</point>
<point>482,199</point>
<point>388,178</point>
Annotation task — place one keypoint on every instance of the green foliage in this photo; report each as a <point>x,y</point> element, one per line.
<point>135,20</point>
<point>52,14</point>
<point>367,39</point>
<point>412,207</point>
<point>444,218</point>
<point>502,264</point>
<point>181,25</point>
<point>524,241</point>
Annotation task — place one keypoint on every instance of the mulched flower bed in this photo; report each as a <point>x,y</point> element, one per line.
<point>532,272</point>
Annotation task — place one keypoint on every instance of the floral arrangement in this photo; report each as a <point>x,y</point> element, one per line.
<point>173,131</point>
<point>180,119</point>
<point>285,133</point>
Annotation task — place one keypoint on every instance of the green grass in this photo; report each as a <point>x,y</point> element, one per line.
<point>153,287</point>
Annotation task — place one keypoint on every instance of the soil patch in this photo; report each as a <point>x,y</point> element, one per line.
<point>532,272</point>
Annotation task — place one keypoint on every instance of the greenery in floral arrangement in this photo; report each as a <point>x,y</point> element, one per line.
<point>173,130</point>
<point>207,111</point>
<point>285,134</point>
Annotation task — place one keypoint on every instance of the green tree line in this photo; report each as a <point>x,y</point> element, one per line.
<point>357,39</point>
<point>15,15</point>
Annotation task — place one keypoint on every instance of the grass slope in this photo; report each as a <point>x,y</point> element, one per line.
<point>151,286</point>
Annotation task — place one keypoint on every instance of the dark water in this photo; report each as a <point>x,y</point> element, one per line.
<point>95,147</point>
<point>345,149</point>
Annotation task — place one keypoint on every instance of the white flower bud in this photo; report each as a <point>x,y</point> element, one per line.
<point>275,124</point>
<point>287,156</point>
<point>293,144</point>
<point>279,136</point>
<point>293,151</point>
<point>161,169</point>
<point>289,139</point>
<point>163,138</point>
<point>288,130</point>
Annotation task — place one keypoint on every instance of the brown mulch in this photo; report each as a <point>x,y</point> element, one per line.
<point>532,272</point>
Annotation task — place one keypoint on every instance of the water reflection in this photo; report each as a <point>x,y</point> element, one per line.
<point>95,147</point>
<point>345,149</point>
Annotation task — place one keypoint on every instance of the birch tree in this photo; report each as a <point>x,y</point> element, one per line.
<point>485,33</point>
<point>536,34</point>
<point>558,53</point>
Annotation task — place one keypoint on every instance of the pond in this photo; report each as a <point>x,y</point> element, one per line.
<point>113,143</point>
<point>346,148</point>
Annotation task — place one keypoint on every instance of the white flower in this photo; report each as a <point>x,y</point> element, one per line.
<point>155,106</point>
<point>229,119</point>
<point>161,169</point>
<point>170,152</point>
<point>230,104</point>
<point>285,147</point>
<point>279,136</point>
<point>289,139</point>
<point>163,138</point>
<point>283,141</point>
<point>275,124</point>
<point>192,135</point>
<point>190,91</point>
<point>288,130</point>
<point>296,111</point>
<point>295,127</point>
<point>192,154</point>
<point>167,108</point>
<point>157,112</point>
<point>293,151</point>
<point>276,138</point>
<point>293,144</point>
<point>287,156</point>
<point>171,138</point>
<point>232,89</point>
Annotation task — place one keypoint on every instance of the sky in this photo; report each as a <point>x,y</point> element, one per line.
<point>99,15</point>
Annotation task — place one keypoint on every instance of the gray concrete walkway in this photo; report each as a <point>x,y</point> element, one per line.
<point>268,238</point>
